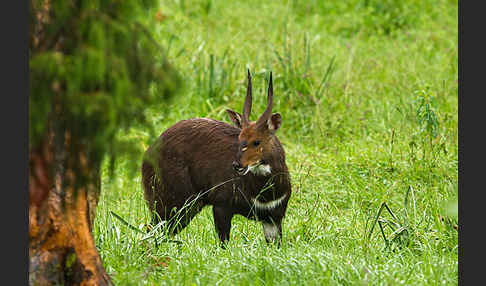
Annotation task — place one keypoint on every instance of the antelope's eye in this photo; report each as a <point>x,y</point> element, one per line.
<point>256,143</point>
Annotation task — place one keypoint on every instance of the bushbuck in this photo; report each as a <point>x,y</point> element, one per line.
<point>236,169</point>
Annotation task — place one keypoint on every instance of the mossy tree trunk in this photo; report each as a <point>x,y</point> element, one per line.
<point>61,214</point>
<point>93,69</point>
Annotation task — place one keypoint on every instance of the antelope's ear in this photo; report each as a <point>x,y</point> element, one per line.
<point>274,122</point>
<point>235,117</point>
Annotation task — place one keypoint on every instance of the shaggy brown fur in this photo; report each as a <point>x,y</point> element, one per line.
<point>198,162</point>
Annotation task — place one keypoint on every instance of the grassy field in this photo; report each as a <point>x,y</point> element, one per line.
<point>368,94</point>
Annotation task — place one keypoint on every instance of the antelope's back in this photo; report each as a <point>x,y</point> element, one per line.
<point>200,148</point>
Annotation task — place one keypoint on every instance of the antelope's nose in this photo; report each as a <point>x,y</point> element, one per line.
<point>236,165</point>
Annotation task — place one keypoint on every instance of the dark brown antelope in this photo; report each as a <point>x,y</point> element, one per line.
<point>236,169</point>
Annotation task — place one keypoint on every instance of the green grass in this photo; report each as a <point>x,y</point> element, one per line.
<point>368,96</point>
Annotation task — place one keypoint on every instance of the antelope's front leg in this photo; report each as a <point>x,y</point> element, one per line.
<point>222,222</point>
<point>272,231</point>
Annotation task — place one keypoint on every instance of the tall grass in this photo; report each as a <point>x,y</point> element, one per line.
<point>368,96</point>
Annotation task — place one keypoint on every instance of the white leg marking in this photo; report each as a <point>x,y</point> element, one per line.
<point>270,231</point>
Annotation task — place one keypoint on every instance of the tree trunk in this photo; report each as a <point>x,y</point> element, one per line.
<point>61,215</point>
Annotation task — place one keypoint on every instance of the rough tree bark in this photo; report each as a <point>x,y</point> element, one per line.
<point>91,74</point>
<point>61,214</point>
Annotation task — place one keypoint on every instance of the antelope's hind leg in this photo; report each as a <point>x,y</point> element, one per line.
<point>181,217</point>
<point>185,201</point>
<point>222,222</point>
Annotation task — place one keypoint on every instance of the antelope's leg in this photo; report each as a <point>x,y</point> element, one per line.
<point>272,231</point>
<point>222,222</point>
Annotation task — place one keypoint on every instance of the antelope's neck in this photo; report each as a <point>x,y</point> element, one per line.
<point>270,181</point>
<point>268,204</point>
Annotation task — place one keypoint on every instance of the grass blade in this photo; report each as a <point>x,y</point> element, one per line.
<point>326,76</point>
<point>376,220</point>
<point>126,223</point>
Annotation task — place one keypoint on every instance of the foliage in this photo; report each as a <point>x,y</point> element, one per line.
<point>371,17</point>
<point>354,131</point>
<point>96,60</point>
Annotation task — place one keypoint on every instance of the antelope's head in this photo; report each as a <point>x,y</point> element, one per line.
<point>256,144</point>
